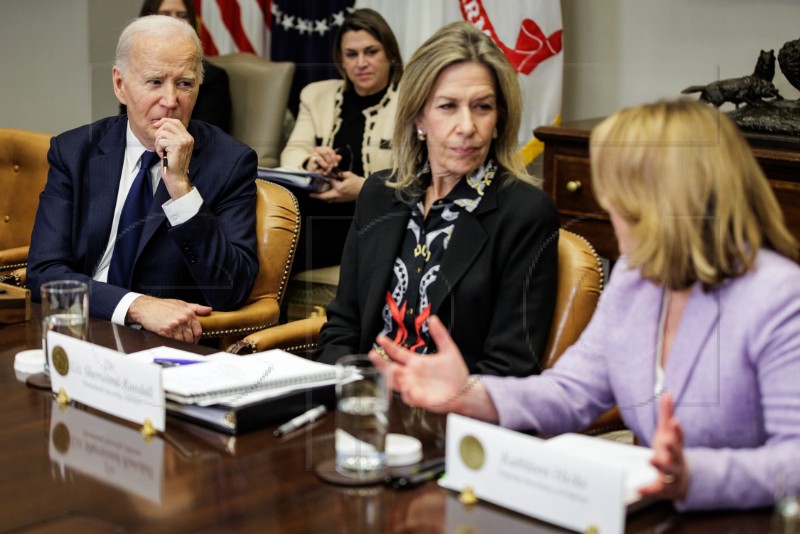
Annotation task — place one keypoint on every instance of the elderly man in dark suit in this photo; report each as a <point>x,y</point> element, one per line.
<point>192,246</point>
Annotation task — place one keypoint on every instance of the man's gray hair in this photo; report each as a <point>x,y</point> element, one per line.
<point>166,28</point>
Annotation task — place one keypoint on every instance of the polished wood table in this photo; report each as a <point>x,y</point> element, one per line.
<point>78,470</point>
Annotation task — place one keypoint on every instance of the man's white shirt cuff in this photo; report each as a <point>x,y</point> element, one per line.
<point>181,210</point>
<point>118,317</point>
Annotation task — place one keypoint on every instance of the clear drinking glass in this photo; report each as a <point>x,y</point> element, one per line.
<point>65,309</point>
<point>362,417</point>
<point>787,502</point>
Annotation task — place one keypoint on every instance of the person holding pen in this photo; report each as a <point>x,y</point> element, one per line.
<point>157,244</point>
<point>344,131</point>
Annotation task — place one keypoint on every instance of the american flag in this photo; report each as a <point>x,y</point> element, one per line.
<point>228,26</point>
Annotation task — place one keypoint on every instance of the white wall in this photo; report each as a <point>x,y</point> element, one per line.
<point>625,52</point>
<point>44,57</point>
<point>56,55</point>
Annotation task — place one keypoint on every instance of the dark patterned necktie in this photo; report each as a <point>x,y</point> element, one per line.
<point>131,222</point>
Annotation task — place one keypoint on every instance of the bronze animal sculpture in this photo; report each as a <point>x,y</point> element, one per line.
<point>747,89</point>
<point>750,89</point>
<point>765,66</point>
<point>789,60</point>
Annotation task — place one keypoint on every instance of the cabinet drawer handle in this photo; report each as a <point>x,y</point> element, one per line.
<point>573,186</point>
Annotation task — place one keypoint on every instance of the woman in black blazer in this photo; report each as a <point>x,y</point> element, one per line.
<point>456,228</point>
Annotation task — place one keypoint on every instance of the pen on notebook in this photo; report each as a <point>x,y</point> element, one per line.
<point>425,472</point>
<point>301,420</point>
<point>173,362</point>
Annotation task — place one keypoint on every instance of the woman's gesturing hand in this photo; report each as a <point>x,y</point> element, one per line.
<point>668,456</point>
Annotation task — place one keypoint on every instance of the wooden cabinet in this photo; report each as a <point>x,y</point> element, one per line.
<point>568,179</point>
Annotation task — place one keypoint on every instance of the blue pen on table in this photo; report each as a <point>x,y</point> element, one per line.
<point>174,362</point>
<point>301,420</point>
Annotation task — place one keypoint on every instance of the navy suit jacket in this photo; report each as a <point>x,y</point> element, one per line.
<point>495,290</point>
<point>209,259</point>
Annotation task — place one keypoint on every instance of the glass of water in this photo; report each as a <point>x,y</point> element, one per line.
<point>362,417</point>
<point>786,519</point>
<point>65,309</point>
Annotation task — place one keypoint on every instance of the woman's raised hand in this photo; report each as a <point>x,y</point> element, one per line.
<point>437,382</point>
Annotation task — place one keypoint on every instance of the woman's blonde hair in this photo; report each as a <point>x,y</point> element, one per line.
<point>459,42</point>
<point>682,175</point>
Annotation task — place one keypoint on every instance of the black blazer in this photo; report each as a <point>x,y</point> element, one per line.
<point>495,291</point>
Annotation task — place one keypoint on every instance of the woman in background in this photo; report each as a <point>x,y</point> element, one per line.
<point>214,99</point>
<point>702,312</point>
<point>456,227</point>
<point>344,130</point>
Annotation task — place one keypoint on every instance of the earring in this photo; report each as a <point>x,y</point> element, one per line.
<point>420,135</point>
<point>494,133</point>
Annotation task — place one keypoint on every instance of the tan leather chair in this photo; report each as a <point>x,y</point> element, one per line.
<point>259,95</point>
<point>23,173</point>
<point>277,228</point>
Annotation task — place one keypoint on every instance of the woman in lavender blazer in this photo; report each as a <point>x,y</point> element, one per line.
<point>696,338</point>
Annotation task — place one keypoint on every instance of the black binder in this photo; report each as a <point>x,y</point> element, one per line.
<point>257,415</point>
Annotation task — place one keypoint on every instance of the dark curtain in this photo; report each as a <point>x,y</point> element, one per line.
<point>303,32</point>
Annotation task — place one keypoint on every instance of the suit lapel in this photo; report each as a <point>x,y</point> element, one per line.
<point>469,238</point>
<point>698,325</point>
<point>102,181</point>
<point>389,234</point>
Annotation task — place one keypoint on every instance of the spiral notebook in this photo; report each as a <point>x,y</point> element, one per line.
<point>229,379</point>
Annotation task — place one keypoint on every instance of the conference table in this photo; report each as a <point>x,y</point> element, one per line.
<point>75,469</point>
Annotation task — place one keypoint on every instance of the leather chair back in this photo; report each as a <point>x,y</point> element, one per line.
<point>259,95</point>
<point>580,282</point>
<point>23,173</point>
<point>277,229</point>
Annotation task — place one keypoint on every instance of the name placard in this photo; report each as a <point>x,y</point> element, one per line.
<point>106,451</point>
<point>106,379</point>
<point>572,488</point>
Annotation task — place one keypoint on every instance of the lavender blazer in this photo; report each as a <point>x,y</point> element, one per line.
<point>733,370</point>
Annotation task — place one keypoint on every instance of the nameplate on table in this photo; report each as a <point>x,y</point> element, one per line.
<point>107,451</point>
<point>573,481</point>
<point>106,380</point>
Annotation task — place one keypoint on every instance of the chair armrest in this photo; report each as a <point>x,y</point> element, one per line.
<point>294,336</point>
<point>13,258</point>
<point>608,422</point>
<point>15,277</point>
<point>252,317</point>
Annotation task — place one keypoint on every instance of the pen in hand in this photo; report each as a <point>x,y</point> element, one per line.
<point>301,420</point>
